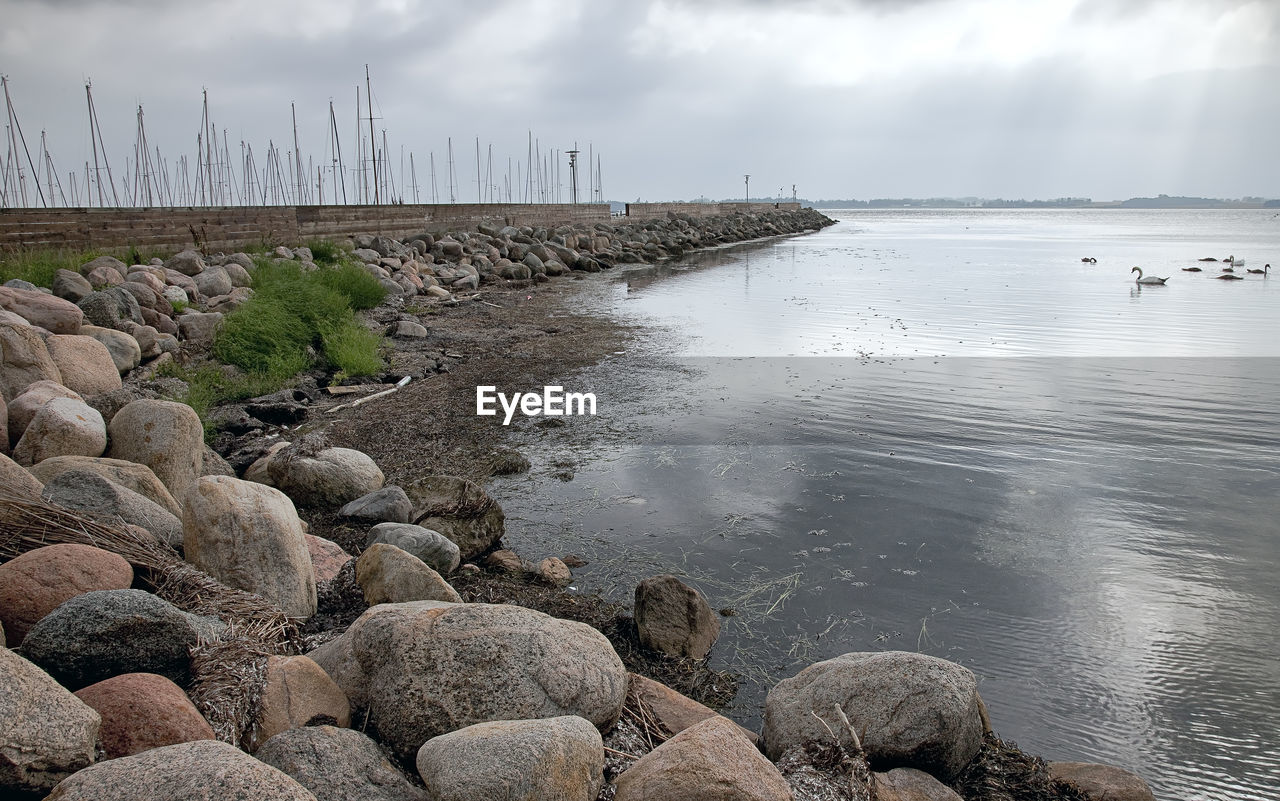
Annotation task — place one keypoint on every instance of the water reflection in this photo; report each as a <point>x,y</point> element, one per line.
<point>1094,537</point>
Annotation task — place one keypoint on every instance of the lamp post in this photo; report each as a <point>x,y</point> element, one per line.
<point>747,179</point>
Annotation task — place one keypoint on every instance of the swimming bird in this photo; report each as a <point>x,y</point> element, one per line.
<point>1208,258</point>
<point>1228,277</point>
<point>1234,262</point>
<point>1263,272</point>
<point>1150,279</point>
<point>1228,269</point>
<point>1191,269</point>
<point>1089,260</point>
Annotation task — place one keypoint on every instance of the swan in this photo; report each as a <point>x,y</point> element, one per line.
<point>1089,260</point>
<point>1234,262</point>
<point>1228,269</point>
<point>1149,280</point>
<point>1228,277</point>
<point>1265,269</point>
<point>1191,269</point>
<point>1208,258</point>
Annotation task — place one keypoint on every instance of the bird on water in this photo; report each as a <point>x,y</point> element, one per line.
<point>1228,277</point>
<point>1265,271</point>
<point>1191,269</point>
<point>1150,280</point>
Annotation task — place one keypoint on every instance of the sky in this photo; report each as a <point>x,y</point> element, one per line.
<point>680,99</point>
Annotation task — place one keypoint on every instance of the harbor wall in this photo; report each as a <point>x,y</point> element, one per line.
<point>234,227</point>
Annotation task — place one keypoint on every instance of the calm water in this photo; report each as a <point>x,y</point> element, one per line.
<point>940,431</point>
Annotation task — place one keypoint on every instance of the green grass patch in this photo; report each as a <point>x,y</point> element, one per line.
<point>209,384</point>
<point>38,266</point>
<point>297,319</point>
<point>325,252</point>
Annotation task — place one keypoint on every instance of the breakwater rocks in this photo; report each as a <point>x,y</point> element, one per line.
<point>169,624</point>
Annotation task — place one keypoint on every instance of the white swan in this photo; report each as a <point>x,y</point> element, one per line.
<point>1150,279</point>
<point>1234,262</point>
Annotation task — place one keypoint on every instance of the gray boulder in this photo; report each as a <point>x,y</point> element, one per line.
<point>131,475</point>
<point>674,618</point>
<point>71,286</point>
<point>165,436</point>
<point>24,359</point>
<point>61,427</point>
<point>432,547</point>
<point>338,765</point>
<point>477,663</point>
<point>125,351</point>
<point>387,574</point>
<point>387,505</point>
<point>332,477</point>
<point>460,510</point>
<point>204,770</point>
<point>552,759</point>
<point>248,536</point>
<point>108,307</point>
<point>104,633</point>
<point>199,328</point>
<point>48,733</point>
<point>188,262</point>
<point>214,281</point>
<point>98,498</point>
<point>915,711</point>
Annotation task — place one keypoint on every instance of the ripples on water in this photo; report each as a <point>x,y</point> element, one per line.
<point>1090,527</point>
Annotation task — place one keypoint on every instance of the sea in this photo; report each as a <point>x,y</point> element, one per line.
<point>944,431</point>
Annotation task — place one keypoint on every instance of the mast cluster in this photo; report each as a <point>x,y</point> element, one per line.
<point>212,176</point>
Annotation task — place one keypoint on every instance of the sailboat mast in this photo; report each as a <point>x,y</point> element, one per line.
<point>372,142</point>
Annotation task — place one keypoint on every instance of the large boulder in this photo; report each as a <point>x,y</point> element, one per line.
<point>188,262</point>
<point>913,710</point>
<point>24,360</point>
<point>249,536</point>
<point>332,477</point>
<point>460,510</point>
<point>387,574</point>
<point>165,436</point>
<point>674,618</point>
<point>23,408</point>
<point>205,770</point>
<point>101,499</point>
<point>297,690</point>
<point>109,308</point>
<point>141,711</point>
<point>97,635</point>
<point>48,733</point>
<point>70,286</point>
<point>199,328</point>
<point>125,351</point>
<point>710,761</point>
<point>433,548</point>
<point>62,427</point>
<point>338,765</point>
<point>85,364</point>
<point>1102,782</point>
<point>387,505</point>
<point>35,583</point>
<point>134,476</point>
<point>552,759</point>
<point>214,281</point>
<point>476,663</point>
<point>108,262</point>
<point>46,311</point>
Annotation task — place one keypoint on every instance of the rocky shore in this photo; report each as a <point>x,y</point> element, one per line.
<point>317,603</point>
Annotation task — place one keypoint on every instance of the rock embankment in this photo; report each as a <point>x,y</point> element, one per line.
<point>151,592</point>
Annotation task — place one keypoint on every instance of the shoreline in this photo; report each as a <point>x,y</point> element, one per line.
<point>515,334</point>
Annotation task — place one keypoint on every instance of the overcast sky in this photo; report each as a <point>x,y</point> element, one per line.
<point>680,98</point>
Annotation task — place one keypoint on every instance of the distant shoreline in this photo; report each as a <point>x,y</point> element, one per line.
<point>1160,202</point>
